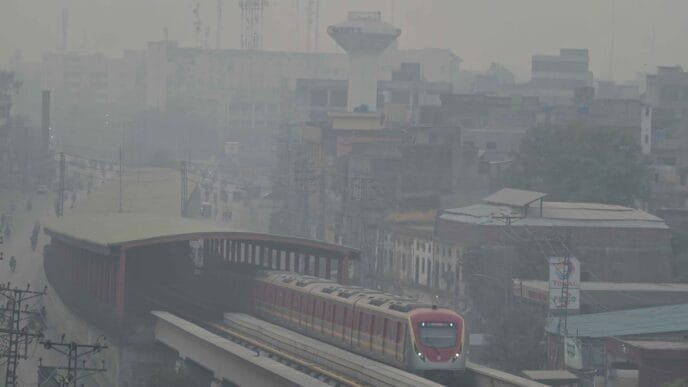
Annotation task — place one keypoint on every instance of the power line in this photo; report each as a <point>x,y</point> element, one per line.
<point>69,375</point>
<point>17,330</point>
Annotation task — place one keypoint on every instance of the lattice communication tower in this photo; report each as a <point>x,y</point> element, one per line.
<point>252,23</point>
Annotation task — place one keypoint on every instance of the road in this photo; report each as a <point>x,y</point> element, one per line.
<point>60,320</point>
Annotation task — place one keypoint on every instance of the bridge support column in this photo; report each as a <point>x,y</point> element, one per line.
<point>120,284</point>
<point>343,269</point>
<point>316,265</point>
<point>328,267</point>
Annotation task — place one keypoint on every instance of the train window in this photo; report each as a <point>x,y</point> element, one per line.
<point>399,332</point>
<point>390,330</point>
<point>345,313</point>
<point>363,322</point>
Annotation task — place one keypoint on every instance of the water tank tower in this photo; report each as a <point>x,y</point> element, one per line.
<point>364,36</point>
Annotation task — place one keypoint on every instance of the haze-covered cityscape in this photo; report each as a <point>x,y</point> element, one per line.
<point>396,193</point>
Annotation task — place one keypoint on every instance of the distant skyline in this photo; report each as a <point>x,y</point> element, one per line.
<point>647,32</point>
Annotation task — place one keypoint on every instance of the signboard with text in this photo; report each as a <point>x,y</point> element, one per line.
<point>564,283</point>
<point>573,353</point>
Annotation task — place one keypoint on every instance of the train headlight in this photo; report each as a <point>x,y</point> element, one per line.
<point>420,355</point>
<point>456,356</point>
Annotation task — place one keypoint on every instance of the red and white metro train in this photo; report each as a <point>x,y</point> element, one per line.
<point>419,338</point>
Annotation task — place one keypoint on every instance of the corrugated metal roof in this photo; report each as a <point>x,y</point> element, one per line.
<point>658,345</point>
<point>413,217</point>
<point>514,197</point>
<point>661,319</point>
<point>556,216</point>
<point>595,286</point>
<point>594,211</point>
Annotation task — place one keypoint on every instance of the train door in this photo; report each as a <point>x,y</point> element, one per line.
<point>301,310</point>
<point>358,326</point>
<point>345,323</point>
<point>371,331</point>
<point>385,322</point>
<point>399,342</point>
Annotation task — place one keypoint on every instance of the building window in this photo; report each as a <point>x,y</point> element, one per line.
<point>319,98</point>
<point>338,98</point>
<point>491,145</point>
<point>671,161</point>
<point>422,266</point>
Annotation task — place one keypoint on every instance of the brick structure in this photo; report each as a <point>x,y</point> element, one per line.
<point>613,243</point>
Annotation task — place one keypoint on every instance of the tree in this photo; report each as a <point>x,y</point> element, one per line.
<point>581,164</point>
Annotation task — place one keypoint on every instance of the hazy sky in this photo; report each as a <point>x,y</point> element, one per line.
<point>648,32</point>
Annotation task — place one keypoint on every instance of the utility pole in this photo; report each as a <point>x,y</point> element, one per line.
<point>16,332</point>
<point>184,193</point>
<point>69,375</point>
<point>120,179</point>
<point>563,317</point>
<point>59,199</point>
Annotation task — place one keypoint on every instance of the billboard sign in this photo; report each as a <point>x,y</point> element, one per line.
<point>564,273</point>
<point>558,300</point>
<point>573,353</point>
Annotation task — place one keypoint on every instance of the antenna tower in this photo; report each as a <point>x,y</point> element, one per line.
<point>218,37</point>
<point>312,24</point>
<point>612,40</point>
<point>197,23</point>
<point>252,23</point>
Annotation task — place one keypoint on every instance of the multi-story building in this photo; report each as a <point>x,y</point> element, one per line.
<point>76,78</point>
<point>613,243</point>
<point>556,77</point>
<point>666,98</point>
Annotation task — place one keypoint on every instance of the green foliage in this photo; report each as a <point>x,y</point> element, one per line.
<point>170,378</point>
<point>678,383</point>
<point>679,245</point>
<point>581,164</point>
<point>518,342</point>
<point>9,84</point>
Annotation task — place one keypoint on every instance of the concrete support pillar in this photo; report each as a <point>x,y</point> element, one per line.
<point>343,269</point>
<point>121,283</point>
<point>328,267</point>
<point>316,265</point>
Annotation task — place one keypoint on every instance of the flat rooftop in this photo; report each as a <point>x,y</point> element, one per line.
<point>612,286</point>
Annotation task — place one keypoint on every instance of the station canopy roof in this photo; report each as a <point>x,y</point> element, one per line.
<point>101,232</point>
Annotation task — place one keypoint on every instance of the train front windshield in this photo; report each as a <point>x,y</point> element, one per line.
<point>438,335</point>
